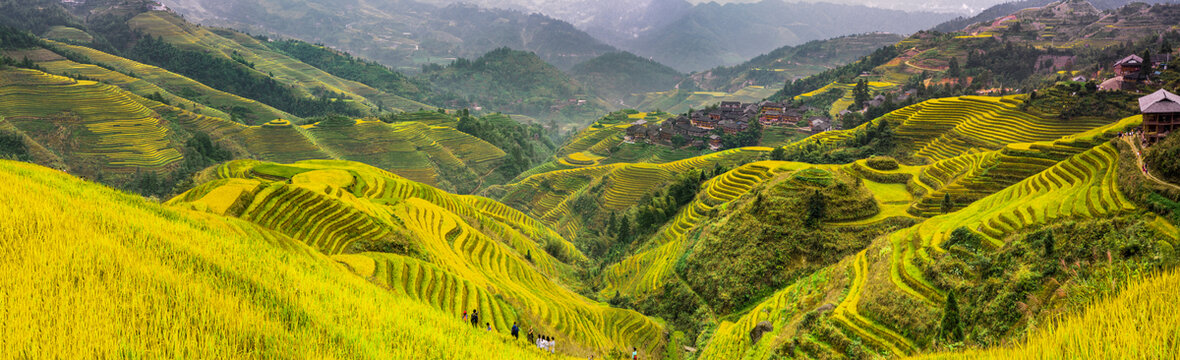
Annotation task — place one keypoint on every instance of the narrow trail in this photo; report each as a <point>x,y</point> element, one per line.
<point>1139,158</point>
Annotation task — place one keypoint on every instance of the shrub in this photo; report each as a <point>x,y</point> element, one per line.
<point>883,163</point>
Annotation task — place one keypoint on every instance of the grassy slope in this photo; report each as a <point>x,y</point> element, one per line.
<point>1141,322</point>
<point>118,276</point>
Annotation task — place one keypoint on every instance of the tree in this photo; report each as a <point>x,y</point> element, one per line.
<point>1165,47</point>
<point>947,203</point>
<point>778,154</point>
<point>1147,61</point>
<point>816,206</point>
<point>860,93</point>
<point>953,70</point>
<point>1050,242</point>
<point>624,230</point>
<point>611,223</point>
<point>952,330</point>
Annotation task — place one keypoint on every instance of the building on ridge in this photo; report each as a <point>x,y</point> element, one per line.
<point>1161,115</point>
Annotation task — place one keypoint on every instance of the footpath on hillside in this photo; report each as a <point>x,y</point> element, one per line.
<point>1142,165</point>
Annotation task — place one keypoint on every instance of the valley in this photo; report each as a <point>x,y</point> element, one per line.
<point>205,179</point>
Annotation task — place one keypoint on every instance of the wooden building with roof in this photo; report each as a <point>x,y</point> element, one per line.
<point>1161,115</point>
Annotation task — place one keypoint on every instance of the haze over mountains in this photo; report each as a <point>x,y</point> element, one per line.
<point>676,33</point>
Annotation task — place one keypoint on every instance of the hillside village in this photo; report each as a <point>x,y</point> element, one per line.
<point>707,126</point>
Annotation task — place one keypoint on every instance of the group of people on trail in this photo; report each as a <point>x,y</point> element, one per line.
<point>1133,134</point>
<point>543,342</point>
<point>474,318</point>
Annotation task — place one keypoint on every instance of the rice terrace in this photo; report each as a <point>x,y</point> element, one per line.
<point>511,179</point>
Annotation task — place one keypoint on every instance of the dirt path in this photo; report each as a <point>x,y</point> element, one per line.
<point>1139,159</point>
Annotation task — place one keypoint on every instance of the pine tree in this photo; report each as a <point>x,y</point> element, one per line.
<point>1147,61</point>
<point>951,329</point>
<point>816,206</point>
<point>947,203</point>
<point>611,223</point>
<point>624,229</point>
<point>1050,243</point>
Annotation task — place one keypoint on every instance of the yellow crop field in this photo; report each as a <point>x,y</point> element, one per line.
<point>473,251</point>
<point>94,273</point>
<point>1141,322</point>
<point>940,129</point>
<point>66,33</point>
<point>171,82</point>
<point>110,126</point>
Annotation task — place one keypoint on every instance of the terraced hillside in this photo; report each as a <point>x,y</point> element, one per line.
<point>621,185</point>
<point>845,101</point>
<point>680,101</point>
<point>1122,323</point>
<point>429,154</point>
<point>1081,187</point>
<point>103,126</point>
<point>648,268</point>
<point>460,252</point>
<point>168,268</point>
<point>940,129</point>
<point>176,88</point>
<point>285,69</point>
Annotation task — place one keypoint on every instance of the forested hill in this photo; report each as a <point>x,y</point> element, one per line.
<point>616,75</point>
<point>402,34</point>
<point>514,81</point>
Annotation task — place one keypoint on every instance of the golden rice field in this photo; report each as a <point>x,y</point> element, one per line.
<point>474,251</point>
<point>1140,322</point>
<point>107,125</point>
<point>428,154</point>
<point>172,83</point>
<point>94,273</point>
<point>940,129</point>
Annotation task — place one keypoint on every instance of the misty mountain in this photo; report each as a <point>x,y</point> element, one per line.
<point>403,34</point>
<point>711,35</point>
<point>691,37</point>
<point>1008,8</point>
<point>614,76</point>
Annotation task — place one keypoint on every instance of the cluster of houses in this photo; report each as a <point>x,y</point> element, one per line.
<point>702,127</point>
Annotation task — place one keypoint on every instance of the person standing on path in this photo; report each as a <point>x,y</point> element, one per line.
<point>515,331</point>
<point>475,318</point>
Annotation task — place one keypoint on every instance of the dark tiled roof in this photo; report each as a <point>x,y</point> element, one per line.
<point>1159,102</point>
